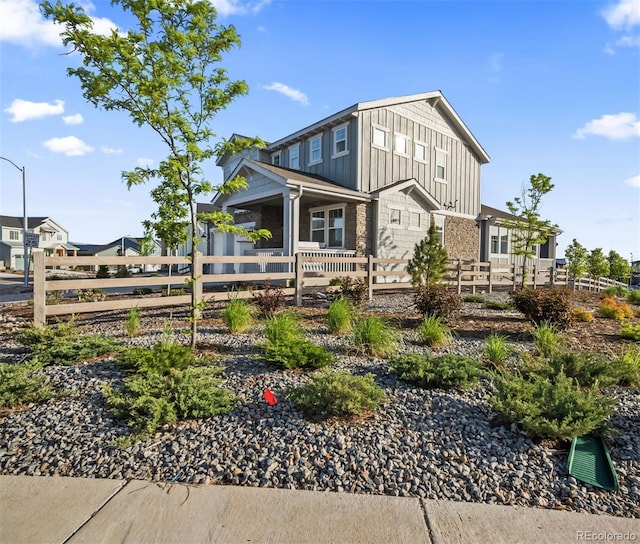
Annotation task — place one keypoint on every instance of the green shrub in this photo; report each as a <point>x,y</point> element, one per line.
<point>53,297</point>
<point>355,290</point>
<point>132,324</point>
<point>269,300</point>
<point>633,297</point>
<point>282,328</point>
<point>22,384</point>
<point>160,394</point>
<point>630,331</point>
<point>616,291</point>
<point>492,305</point>
<point>374,336</point>
<point>37,337</point>
<point>444,371</point>
<point>586,369</point>
<point>546,339</point>
<point>434,332</point>
<point>551,407</point>
<point>610,308</point>
<point>161,359</point>
<point>239,315</point>
<point>174,292</point>
<point>103,272</point>
<point>73,349</point>
<point>473,298</point>
<point>496,350</point>
<point>140,291</point>
<point>437,300</point>
<point>540,305</point>
<point>626,368</point>
<point>339,316</point>
<point>339,394</point>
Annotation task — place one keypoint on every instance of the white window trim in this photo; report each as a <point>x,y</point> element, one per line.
<point>419,212</point>
<point>273,158</point>
<point>499,231</point>
<point>292,147</point>
<point>415,155</point>
<point>326,209</point>
<point>407,146</point>
<point>313,139</point>
<point>337,154</point>
<point>395,207</point>
<point>446,165</point>
<point>386,137</point>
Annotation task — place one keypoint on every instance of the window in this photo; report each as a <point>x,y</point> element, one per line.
<point>315,150</point>
<point>276,158</point>
<point>327,227</point>
<point>294,157</point>
<point>379,137</point>
<point>441,165</point>
<point>438,221</point>
<point>419,152</point>
<point>340,141</point>
<point>401,145</point>
<point>59,237</point>
<point>499,240</point>
<point>414,220</point>
<point>395,217</point>
<point>14,235</point>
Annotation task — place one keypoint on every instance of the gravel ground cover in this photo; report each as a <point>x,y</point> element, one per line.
<point>436,444</point>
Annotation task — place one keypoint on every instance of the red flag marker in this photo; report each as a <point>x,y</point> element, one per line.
<point>269,397</point>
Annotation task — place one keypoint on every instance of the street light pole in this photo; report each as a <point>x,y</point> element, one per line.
<point>25,258</point>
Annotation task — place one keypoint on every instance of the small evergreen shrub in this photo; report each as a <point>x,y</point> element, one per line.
<point>539,305</point>
<point>21,384</point>
<point>473,298</point>
<point>91,295</point>
<point>582,315</point>
<point>437,300</point>
<point>630,331</point>
<point>174,292</point>
<point>239,315</point>
<point>103,272</point>
<point>374,336</point>
<point>38,337</point>
<point>140,291</point>
<point>269,300</point>
<point>53,297</point>
<point>339,316</point>
<point>492,305</point>
<point>546,339</point>
<point>627,367</point>
<point>585,369</point>
<point>610,308</point>
<point>434,332</point>
<point>161,359</point>
<point>496,350</point>
<point>445,371</point>
<point>355,290</point>
<point>338,394</point>
<point>74,349</point>
<point>633,297</point>
<point>132,324</point>
<point>551,407</point>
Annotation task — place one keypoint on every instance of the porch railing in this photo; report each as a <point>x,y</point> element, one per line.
<point>342,266</point>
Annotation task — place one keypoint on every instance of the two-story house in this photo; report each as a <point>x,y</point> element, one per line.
<point>53,238</point>
<point>369,179</point>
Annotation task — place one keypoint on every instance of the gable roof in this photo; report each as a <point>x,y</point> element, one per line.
<point>487,212</point>
<point>16,222</point>
<point>409,185</point>
<point>435,98</point>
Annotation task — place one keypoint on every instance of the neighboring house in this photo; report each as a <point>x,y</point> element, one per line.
<point>496,241</point>
<point>53,238</point>
<point>367,180</point>
<point>125,245</point>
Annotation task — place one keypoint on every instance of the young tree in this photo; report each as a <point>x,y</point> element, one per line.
<point>528,230</point>
<point>429,263</point>
<point>597,264</point>
<point>619,267</point>
<point>576,255</point>
<point>166,73</point>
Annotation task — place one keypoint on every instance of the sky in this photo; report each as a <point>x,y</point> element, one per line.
<point>545,86</point>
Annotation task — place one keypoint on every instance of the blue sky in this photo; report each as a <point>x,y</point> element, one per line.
<point>547,86</point>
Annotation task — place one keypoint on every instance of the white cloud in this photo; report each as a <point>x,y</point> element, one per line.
<point>239,7</point>
<point>633,181</point>
<point>111,150</point>
<point>629,41</point>
<point>21,23</point>
<point>75,119</point>
<point>294,94</point>
<point>623,14</point>
<point>69,146</point>
<point>620,126</point>
<point>23,110</point>
<point>144,162</point>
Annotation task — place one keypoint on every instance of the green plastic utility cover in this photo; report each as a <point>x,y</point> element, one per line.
<point>589,461</point>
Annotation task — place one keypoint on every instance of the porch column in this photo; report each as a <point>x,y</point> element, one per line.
<point>295,221</point>
<point>287,213</point>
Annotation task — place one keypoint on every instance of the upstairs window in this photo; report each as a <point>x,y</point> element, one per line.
<point>14,235</point>
<point>415,220</point>
<point>294,157</point>
<point>379,137</point>
<point>276,158</point>
<point>340,144</point>
<point>401,145</point>
<point>419,152</point>
<point>315,150</point>
<point>395,217</point>
<point>441,165</point>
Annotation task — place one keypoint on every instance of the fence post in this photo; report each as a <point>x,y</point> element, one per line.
<point>299,282</point>
<point>490,277</point>
<point>39,292</point>
<point>370,276</point>
<point>552,276</point>
<point>196,263</point>
<point>459,276</point>
<point>515,275</point>
<point>535,273</point>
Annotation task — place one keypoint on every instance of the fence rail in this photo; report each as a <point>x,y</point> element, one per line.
<point>298,275</point>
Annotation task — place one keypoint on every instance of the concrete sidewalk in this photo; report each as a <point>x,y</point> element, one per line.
<point>37,510</point>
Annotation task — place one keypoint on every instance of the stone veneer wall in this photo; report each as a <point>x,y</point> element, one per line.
<point>462,238</point>
<point>358,224</point>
